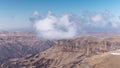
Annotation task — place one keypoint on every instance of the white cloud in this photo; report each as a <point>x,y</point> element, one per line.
<point>69,25</point>
<point>36,13</point>
<point>52,27</point>
<point>35,16</point>
<point>97,18</point>
<point>115,24</point>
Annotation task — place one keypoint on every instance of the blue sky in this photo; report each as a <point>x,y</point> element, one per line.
<point>15,14</point>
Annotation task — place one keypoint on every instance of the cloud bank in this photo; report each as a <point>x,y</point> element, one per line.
<point>70,25</point>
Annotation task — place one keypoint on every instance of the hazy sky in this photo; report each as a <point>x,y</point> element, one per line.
<point>15,14</point>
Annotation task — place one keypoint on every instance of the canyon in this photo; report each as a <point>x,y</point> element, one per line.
<point>77,52</point>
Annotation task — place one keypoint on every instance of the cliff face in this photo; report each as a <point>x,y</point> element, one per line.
<point>19,44</point>
<point>90,45</point>
<point>66,53</point>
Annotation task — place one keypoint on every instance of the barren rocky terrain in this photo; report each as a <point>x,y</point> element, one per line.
<point>19,44</point>
<point>80,52</point>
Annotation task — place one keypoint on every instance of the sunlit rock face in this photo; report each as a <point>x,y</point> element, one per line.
<point>71,53</point>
